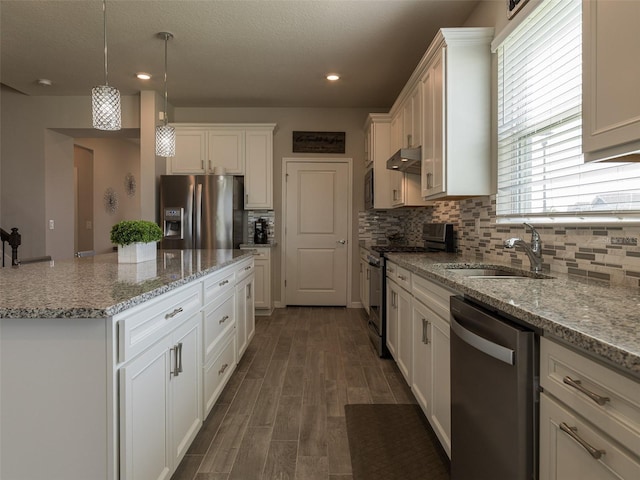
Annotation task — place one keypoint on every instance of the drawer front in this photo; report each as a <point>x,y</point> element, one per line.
<point>260,253</point>
<point>218,317</point>
<point>218,284</point>
<point>608,399</point>
<point>400,275</point>
<point>141,327</point>
<point>433,295</point>
<point>244,269</point>
<point>218,370</point>
<point>571,448</point>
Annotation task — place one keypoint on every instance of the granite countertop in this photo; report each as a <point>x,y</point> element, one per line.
<point>596,317</point>
<point>97,287</point>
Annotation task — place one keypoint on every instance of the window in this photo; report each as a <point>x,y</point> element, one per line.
<point>541,174</point>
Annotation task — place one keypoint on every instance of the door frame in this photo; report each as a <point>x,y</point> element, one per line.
<point>283,254</point>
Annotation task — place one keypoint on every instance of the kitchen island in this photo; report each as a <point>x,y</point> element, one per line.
<point>108,369</point>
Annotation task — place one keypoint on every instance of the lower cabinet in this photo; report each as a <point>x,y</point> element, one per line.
<point>245,310</point>
<point>262,286</point>
<point>160,404</point>
<point>399,332</point>
<point>431,383</point>
<point>589,418</point>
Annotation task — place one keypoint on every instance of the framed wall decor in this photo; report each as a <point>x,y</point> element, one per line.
<point>513,7</point>
<point>318,142</point>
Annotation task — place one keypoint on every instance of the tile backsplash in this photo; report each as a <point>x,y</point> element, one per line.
<point>253,215</point>
<point>593,252</point>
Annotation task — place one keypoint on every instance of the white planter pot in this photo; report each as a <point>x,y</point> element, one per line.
<point>137,252</point>
<point>137,272</point>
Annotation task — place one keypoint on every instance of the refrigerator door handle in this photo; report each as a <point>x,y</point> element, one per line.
<point>198,219</point>
<point>498,352</point>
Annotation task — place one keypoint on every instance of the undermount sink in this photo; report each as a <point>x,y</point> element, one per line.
<point>496,272</point>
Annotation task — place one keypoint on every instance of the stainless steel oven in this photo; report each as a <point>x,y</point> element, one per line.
<point>438,237</point>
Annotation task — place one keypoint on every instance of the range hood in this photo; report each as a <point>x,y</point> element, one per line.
<point>406,160</point>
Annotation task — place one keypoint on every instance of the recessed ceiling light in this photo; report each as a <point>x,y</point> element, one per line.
<point>143,76</point>
<point>333,77</point>
<point>44,82</point>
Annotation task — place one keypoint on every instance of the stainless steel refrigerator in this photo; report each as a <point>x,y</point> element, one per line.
<point>202,211</point>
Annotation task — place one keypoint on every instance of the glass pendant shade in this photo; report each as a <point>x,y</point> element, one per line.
<point>105,106</point>
<point>165,141</point>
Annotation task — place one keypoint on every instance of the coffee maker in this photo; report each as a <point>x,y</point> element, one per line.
<point>260,232</point>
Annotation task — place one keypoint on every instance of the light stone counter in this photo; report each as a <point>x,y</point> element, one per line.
<point>96,287</point>
<point>593,316</point>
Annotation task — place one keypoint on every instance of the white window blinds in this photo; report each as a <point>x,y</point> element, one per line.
<point>540,167</point>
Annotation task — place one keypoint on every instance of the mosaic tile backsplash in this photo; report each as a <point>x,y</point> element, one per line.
<point>588,251</point>
<point>268,215</point>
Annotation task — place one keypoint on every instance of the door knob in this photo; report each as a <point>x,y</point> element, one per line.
<point>341,242</point>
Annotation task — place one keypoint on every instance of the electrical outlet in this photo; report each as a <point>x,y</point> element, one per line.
<point>51,225</point>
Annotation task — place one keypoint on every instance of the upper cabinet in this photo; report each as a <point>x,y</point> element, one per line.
<point>456,111</point>
<point>610,79</point>
<point>232,149</point>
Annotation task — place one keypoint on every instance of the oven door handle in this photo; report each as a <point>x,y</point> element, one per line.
<point>494,350</point>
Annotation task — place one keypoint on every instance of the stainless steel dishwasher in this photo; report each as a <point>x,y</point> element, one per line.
<point>493,395</point>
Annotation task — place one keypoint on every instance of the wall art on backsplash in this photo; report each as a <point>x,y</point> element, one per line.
<point>318,142</point>
<point>110,201</point>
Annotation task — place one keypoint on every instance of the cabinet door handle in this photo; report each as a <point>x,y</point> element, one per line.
<point>202,164</point>
<point>223,319</point>
<point>173,351</point>
<point>368,274</point>
<point>210,165</point>
<point>573,433</point>
<point>173,314</point>
<point>249,292</point>
<point>429,181</point>
<point>577,384</point>
<point>179,355</point>
<point>223,368</point>
<point>425,331</point>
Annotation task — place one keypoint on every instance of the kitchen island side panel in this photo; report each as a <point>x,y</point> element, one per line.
<point>57,399</point>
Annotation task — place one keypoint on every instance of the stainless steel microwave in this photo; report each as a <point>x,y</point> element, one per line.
<point>368,189</point>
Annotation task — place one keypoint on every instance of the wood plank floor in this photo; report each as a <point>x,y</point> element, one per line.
<point>281,416</point>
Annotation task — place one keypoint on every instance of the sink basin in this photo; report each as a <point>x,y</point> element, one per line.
<point>496,272</point>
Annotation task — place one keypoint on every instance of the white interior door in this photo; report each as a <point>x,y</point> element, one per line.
<point>316,232</point>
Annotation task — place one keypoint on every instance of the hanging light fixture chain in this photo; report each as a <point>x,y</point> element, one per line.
<point>104,29</point>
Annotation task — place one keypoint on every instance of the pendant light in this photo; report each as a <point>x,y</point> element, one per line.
<point>165,134</point>
<point>105,100</point>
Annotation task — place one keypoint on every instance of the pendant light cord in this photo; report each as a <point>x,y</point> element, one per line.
<point>166,40</point>
<point>104,20</point>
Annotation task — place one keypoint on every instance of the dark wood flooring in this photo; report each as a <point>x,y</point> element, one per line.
<point>281,416</point>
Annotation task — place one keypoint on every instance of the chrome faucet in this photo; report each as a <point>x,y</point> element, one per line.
<point>533,251</point>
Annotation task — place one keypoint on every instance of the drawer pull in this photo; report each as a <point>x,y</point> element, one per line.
<point>573,433</point>
<point>599,399</point>
<point>402,277</point>
<point>247,268</point>
<point>223,319</point>
<point>223,368</point>
<point>223,283</point>
<point>173,314</point>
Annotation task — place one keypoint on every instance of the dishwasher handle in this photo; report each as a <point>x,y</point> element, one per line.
<point>494,350</point>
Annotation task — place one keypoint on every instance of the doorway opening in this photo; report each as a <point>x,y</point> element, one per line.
<point>83,201</point>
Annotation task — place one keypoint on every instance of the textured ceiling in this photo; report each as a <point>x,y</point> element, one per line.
<point>225,53</point>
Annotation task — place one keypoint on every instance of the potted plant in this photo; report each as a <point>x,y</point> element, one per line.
<point>136,240</point>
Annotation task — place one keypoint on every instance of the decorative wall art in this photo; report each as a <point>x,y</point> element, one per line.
<point>110,201</point>
<point>130,184</point>
<point>318,142</point>
<point>513,7</point>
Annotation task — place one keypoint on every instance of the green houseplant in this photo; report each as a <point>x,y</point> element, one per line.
<point>136,240</point>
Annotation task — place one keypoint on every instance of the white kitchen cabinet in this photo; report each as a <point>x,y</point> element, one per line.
<point>258,180</point>
<point>396,179</point>
<point>455,77</point>
<point>226,150</point>
<point>589,418</point>
<point>238,149</point>
<point>431,363</point>
<point>378,133</point>
<point>160,409</point>
<point>365,279</point>
<point>412,119</point>
<point>610,79</point>
<point>245,309</point>
<point>571,448</point>
<point>262,273</point>
<point>191,152</point>
<point>399,327</point>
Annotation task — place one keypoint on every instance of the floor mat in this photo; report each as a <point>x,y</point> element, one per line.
<point>390,441</point>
